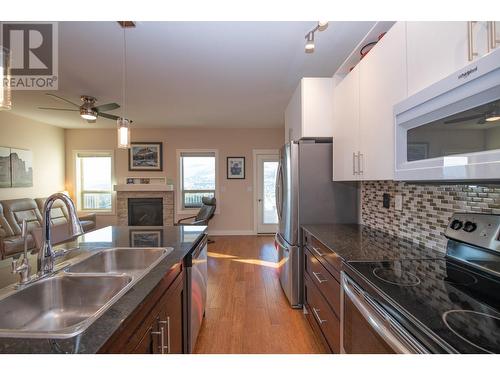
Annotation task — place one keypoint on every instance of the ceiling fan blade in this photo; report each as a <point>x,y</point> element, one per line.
<point>64,100</point>
<point>59,109</point>
<point>466,118</point>
<point>107,107</point>
<point>108,116</point>
<point>482,121</point>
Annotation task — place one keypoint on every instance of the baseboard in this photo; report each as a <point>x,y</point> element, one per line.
<point>231,232</point>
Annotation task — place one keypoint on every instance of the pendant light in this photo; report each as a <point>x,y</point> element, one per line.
<point>123,123</point>
<point>5,95</point>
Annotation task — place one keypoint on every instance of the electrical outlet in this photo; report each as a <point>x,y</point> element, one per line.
<point>386,200</point>
<point>398,202</point>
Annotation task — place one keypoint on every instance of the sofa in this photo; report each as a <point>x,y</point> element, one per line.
<point>12,213</point>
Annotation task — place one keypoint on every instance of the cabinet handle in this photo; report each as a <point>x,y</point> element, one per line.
<point>360,162</point>
<point>316,313</point>
<point>319,253</point>
<point>470,39</point>
<point>162,329</point>
<point>317,276</point>
<point>168,334</point>
<point>354,172</point>
<point>157,333</point>
<point>492,35</point>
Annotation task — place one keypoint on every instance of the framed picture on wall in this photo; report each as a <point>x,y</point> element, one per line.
<point>145,156</point>
<point>5,179</point>
<point>21,162</point>
<point>236,167</point>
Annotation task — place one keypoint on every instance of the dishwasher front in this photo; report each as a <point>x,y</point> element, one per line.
<point>196,291</point>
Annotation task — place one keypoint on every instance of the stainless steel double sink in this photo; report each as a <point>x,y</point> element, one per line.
<point>64,304</point>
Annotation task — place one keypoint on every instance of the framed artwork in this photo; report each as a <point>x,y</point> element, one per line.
<point>146,156</point>
<point>236,167</point>
<point>16,167</point>
<point>21,162</point>
<point>146,238</point>
<point>5,178</point>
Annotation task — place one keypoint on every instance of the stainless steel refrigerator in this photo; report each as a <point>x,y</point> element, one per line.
<point>306,194</point>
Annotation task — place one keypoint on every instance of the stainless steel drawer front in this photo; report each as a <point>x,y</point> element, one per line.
<point>378,321</point>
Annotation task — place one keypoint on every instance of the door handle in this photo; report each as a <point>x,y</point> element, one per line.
<point>277,192</point>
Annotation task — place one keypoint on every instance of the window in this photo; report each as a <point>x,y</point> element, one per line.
<point>197,177</point>
<point>94,175</point>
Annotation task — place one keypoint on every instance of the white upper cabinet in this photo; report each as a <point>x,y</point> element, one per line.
<point>309,113</point>
<point>363,139</point>
<point>346,128</point>
<point>437,49</point>
<point>382,84</point>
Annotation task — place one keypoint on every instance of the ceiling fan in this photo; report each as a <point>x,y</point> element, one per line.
<point>490,115</point>
<point>88,110</point>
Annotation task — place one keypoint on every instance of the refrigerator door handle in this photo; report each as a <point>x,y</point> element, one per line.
<point>278,192</point>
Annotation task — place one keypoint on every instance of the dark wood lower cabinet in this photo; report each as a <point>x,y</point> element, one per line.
<point>156,326</point>
<point>322,294</point>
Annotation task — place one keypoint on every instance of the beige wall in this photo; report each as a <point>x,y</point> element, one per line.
<point>236,196</point>
<point>47,144</point>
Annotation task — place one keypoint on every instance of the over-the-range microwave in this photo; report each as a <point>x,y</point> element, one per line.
<point>451,129</point>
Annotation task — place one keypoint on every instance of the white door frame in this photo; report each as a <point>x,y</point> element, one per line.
<point>255,186</point>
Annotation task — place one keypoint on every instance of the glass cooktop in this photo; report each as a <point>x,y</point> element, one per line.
<point>457,307</point>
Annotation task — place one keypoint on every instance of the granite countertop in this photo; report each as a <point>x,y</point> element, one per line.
<point>355,242</point>
<point>180,238</point>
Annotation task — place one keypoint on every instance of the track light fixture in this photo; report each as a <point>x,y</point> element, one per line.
<point>310,42</point>
<point>321,26</point>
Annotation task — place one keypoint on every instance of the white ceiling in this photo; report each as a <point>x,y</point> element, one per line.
<point>210,74</point>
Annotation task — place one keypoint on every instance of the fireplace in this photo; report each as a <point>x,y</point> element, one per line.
<point>145,211</point>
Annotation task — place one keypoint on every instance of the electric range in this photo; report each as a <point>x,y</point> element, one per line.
<point>449,305</point>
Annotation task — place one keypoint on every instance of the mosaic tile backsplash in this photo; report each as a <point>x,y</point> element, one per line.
<point>427,208</point>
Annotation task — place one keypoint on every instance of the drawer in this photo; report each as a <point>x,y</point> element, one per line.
<point>324,281</point>
<point>322,314</point>
<point>327,256</point>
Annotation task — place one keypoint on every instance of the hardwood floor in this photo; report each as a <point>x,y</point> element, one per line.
<point>247,311</point>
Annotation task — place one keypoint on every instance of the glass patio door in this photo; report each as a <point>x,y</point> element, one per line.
<point>267,217</point>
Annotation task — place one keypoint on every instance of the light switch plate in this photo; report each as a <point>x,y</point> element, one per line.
<point>398,202</point>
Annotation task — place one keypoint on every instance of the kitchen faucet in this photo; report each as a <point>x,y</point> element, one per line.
<point>22,266</point>
<point>46,255</point>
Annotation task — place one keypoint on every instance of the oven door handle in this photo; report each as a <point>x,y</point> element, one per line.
<point>379,321</point>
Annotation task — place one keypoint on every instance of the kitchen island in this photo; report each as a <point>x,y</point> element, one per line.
<point>102,334</point>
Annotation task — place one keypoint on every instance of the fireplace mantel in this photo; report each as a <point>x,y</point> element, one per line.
<point>142,187</point>
<point>122,197</point>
